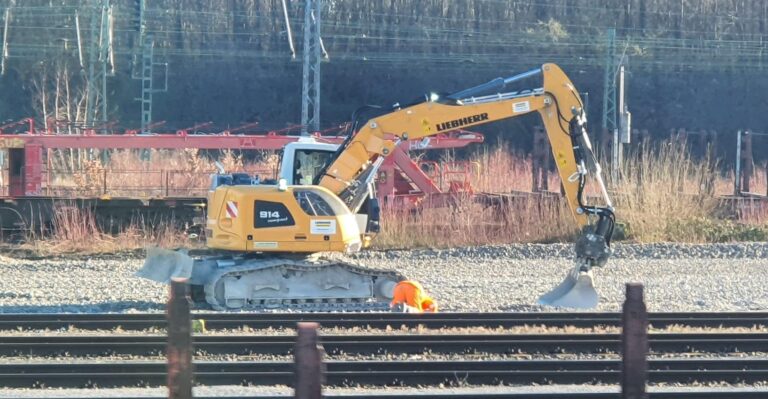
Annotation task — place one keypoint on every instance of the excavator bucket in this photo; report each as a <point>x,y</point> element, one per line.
<point>162,264</point>
<point>576,291</point>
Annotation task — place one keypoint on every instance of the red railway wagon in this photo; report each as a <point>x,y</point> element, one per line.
<point>29,189</point>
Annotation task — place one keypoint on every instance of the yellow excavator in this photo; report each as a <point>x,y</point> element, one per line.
<point>268,235</point>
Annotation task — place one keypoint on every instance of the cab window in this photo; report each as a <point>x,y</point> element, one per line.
<point>312,203</point>
<point>307,164</point>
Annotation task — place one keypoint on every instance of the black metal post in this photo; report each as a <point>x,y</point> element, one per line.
<point>310,370</point>
<point>179,351</point>
<point>634,342</point>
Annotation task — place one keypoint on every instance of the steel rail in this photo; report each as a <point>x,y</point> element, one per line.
<point>135,321</point>
<point>140,345</point>
<point>719,394</point>
<point>387,373</point>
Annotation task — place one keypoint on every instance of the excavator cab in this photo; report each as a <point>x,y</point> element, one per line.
<point>299,218</point>
<point>302,160</point>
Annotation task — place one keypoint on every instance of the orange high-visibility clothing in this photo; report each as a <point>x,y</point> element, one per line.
<point>411,293</point>
<point>429,305</point>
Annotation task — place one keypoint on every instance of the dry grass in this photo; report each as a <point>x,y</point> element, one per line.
<point>664,194</point>
<point>76,230</point>
<point>661,189</point>
<point>502,170</point>
<point>152,173</point>
<point>530,219</point>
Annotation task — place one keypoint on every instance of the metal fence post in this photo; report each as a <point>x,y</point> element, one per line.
<point>310,370</point>
<point>747,161</point>
<point>179,351</point>
<point>765,168</point>
<point>634,342</point>
<point>540,160</point>
<point>167,181</point>
<point>737,171</point>
<point>104,182</point>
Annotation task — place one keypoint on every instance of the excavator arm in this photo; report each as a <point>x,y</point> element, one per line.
<point>557,102</point>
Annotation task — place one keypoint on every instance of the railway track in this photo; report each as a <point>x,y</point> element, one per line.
<point>139,345</point>
<point>738,394</point>
<point>386,373</point>
<point>84,373</point>
<point>138,321</point>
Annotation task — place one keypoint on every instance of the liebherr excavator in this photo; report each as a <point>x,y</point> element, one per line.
<point>268,235</point>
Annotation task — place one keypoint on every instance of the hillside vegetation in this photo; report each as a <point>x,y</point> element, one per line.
<point>693,64</point>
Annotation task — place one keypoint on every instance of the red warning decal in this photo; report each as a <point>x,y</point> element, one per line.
<point>232,209</point>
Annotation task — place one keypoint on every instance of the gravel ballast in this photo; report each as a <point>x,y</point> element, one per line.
<point>677,277</point>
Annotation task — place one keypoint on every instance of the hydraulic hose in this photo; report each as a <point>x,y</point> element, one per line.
<point>593,247</point>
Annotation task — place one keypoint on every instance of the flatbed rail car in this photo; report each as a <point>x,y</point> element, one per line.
<point>30,189</point>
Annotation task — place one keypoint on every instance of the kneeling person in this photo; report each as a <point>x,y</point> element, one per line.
<point>410,297</point>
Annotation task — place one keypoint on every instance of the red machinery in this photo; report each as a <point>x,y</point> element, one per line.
<point>27,170</point>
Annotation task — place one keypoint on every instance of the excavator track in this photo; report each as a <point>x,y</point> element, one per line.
<point>293,283</point>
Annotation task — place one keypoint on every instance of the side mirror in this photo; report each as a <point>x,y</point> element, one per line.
<point>282,185</point>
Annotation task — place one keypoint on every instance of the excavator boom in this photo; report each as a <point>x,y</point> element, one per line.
<point>556,101</point>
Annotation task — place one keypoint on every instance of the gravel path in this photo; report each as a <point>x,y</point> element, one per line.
<point>722,277</point>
